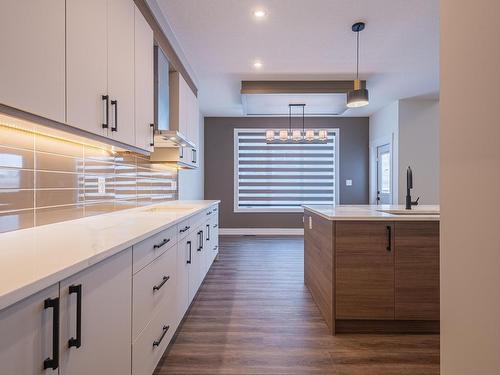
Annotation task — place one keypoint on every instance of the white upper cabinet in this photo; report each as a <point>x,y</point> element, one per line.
<point>184,113</point>
<point>87,65</point>
<point>32,62</point>
<point>144,82</point>
<point>100,67</point>
<point>121,69</point>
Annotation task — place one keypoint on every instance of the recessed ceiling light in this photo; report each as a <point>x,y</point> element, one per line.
<point>259,13</point>
<point>257,64</point>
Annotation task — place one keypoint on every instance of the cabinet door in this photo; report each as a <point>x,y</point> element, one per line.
<point>417,270</point>
<point>121,69</point>
<point>32,65</point>
<point>106,305</point>
<point>196,267</point>
<point>144,82</point>
<point>185,248</point>
<point>364,270</point>
<point>86,64</point>
<point>26,331</point>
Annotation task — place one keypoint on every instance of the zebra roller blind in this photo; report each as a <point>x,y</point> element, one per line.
<point>282,177</point>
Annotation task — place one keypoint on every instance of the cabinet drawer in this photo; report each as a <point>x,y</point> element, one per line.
<point>149,347</point>
<point>184,228</point>
<point>153,287</point>
<point>149,249</point>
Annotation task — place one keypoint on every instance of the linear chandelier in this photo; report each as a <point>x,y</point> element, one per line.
<point>296,135</point>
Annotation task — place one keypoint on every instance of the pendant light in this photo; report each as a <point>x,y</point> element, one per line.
<point>359,96</point>
<point>296,135</point>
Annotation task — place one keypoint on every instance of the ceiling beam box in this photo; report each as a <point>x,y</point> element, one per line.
<point>298,87</point>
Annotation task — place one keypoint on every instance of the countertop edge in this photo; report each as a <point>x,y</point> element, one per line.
<point>382,217</point>
<point>17,295</point>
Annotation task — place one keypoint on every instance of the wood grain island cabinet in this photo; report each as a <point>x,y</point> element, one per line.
<point>373,275</point>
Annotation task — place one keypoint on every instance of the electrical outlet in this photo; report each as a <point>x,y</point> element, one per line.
<point>348,182</point>
<point>101,185</point>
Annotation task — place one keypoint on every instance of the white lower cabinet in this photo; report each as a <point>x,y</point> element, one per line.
<point>116,317</point>
<point>102,345</point>
<point>26,335</point>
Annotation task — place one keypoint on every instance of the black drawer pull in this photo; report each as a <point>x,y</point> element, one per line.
<point>216,247</point>
<point>189,260</point>
<point>216,225</point>
<point>158,342</point>
<point>115,104</point>
<point>152,143</point>
<point>77,342</point>
<point>105,123</point>
<point>164,242</point>
<point>186,228</point>
<point>209,212</point>
<point>53,362</point>
<point>164,280</point>
<point>208,232</point>
<point>389,238</point>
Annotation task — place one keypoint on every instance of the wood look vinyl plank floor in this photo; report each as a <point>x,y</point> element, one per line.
<point>254,315</point>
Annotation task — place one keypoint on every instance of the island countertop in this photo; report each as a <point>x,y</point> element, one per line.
<point>383,212</point>
<point>35,258</point>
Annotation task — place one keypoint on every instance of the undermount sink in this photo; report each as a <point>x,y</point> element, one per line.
<point>410,212</point>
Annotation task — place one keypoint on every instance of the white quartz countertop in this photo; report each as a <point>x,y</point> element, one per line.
<point>376,212</point>
<point>36,258</point>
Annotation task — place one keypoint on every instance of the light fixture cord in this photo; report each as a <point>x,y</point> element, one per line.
<point>357,55</point>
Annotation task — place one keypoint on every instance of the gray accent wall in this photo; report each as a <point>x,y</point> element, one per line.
<point>219,168</point>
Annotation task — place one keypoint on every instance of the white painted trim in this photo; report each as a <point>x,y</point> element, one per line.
<point>261,231</point>
<point>374,144</point>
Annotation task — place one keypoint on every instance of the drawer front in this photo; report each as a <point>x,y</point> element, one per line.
<point>153,287</point>
<point>149,347</point>
<point>151,248</point>
<point>184,228</point>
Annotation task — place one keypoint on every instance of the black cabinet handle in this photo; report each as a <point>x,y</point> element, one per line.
<point>194,155</point>
<point>189,260</point>
<point>115,104</point>
<point>185,229</point>
<point>216,247</point>
<point>164,280</point>
<point>162,243</point>
<point>208,232</point>
<point>216,225</point>
<point>105,99</point>
<point>77,342</point>
<point>181,153</point>
<point>53,362</point>
<point>202,236</point>
<point>200,240</point>
<point>158,342</point>
<point>389,238</point>
<point>152,143</point>
<point>209,212</point>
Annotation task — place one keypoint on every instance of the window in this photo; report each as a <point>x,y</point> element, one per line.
<point>385,160</point>
<point>283,177</point>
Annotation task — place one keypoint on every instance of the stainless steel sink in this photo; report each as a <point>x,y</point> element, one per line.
<point>410,212</point>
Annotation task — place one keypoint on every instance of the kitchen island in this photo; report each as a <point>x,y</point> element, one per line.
<point>373,268</point>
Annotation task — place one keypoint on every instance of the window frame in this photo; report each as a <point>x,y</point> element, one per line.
<point>237,209</point>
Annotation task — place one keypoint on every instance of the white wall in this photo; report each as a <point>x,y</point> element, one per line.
<point>411,126</point>
<point>419,148</point>
<point>192,181</point>
<point>470,187</point>
<point>384,130</point>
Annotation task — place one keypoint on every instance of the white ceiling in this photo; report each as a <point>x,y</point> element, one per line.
<point>307,40</point>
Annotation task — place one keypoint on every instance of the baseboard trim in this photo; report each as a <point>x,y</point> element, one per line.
<point>261,231</point>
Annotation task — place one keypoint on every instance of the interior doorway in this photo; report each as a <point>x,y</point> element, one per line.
<point>384,174</point>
